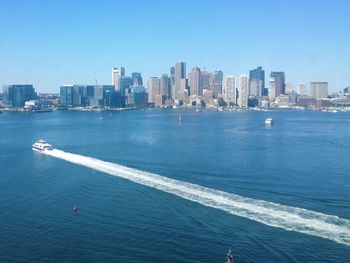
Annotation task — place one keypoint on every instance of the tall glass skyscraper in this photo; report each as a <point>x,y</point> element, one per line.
<point>258,74</point>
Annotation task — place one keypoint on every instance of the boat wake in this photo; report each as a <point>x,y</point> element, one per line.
<point>272,214</point>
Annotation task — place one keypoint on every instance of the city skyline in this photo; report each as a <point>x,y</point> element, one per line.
<point>55,44</point>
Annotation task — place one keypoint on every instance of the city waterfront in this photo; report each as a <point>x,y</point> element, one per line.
<point>302,161</point>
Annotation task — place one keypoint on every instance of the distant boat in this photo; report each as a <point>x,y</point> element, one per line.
<point>268,121</point>
<point>334,111</point>
<point>180,119</point>
<point>75,209</point>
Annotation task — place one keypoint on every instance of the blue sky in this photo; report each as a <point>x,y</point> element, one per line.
<point>49,43</point>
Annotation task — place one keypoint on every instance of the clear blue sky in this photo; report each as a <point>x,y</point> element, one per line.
<point>49,43</point>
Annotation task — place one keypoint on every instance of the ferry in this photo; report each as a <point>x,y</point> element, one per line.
<point>41,146</point>
<point>268,121</point>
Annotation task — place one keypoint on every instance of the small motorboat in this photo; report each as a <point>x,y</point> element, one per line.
<point>75,209</point>
<point>268,121</point>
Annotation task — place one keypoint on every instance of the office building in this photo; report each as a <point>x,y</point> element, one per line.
<point>215,83</point>
<point>255,88</point>
<point>125,84</point>
<point>194,80</point>
<point>279,79</point>
<point>153,89</point>
<point>17,95</point>
<point>164,86</point>
<point>180,80</point>
<point>137,96</point>
<point>254,76</point>
<point>243,91</point>
<point>319,90</point>
<point>117,73</point>
<point>230,90</point>
<point>302,89</point>
<point>137,78</point>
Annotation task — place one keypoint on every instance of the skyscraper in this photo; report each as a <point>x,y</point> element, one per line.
<point>230,90</point>
<point>302,89</point>
<point>195,81</point>
<point>164,85</point>
<point>243,91</point>
<point>153,89</point>
<point>124,85</point>
<point>215,82</point>
<point>279,79</point>
<point>117,73</point>
<point>319,90</point>
<point>255,88</point>
<point>137,78</point>
<point>258,74</point>
<point>180,79</point>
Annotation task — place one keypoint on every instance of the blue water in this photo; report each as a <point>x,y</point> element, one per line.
<point>302,161</point>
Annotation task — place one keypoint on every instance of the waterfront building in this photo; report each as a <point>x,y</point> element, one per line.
<point>319,90</point>
<point>255,88</point>
<point>117,73</point>
<point>272,89</point>
<point>255,76</point>
<point>205,77</point>
<point>346,91</point>
<point>215,82</point>
<point>243,91</point>
<point>153,89</point>
<point>180,80</point>
<point>137,96</point>
<point>114,99</point>
<point>302,89</point>
<point>279,79</point>
<point>125,84</point>
<point>136,78</point>
<point>194,80</point>
<point>17,95</point>
<point>172,82</point>
<point>231,90</point>
<point>164,85</point>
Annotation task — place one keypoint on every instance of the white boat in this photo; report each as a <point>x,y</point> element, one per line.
<point>41,146</point>
<point>268,121</point>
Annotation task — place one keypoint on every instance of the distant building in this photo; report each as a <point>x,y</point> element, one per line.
<point>84,95</point>
<point>302,89</point>
<point>153,89</point>
<point>137,78</point>
<point>215,82</point>
<point>205,77</point>
<point>255,76</point>
<point>114,99</point>
<point>319,90</point>
<point>164,86</point>
<point>194,80</point>
<point>125,84</point>
<point>117,73</point>
<point>230,90</point>
<point>243,91</point>
<point>137,96</point>
<point>272,89</point>
<point>278,78</point>
<point>255,88</point>
<point>17,95</point>
<point>180,80</point>
<point>289,87</point>
<point>346,91</point>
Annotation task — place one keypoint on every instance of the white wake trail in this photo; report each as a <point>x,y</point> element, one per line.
<point>272,214</point>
